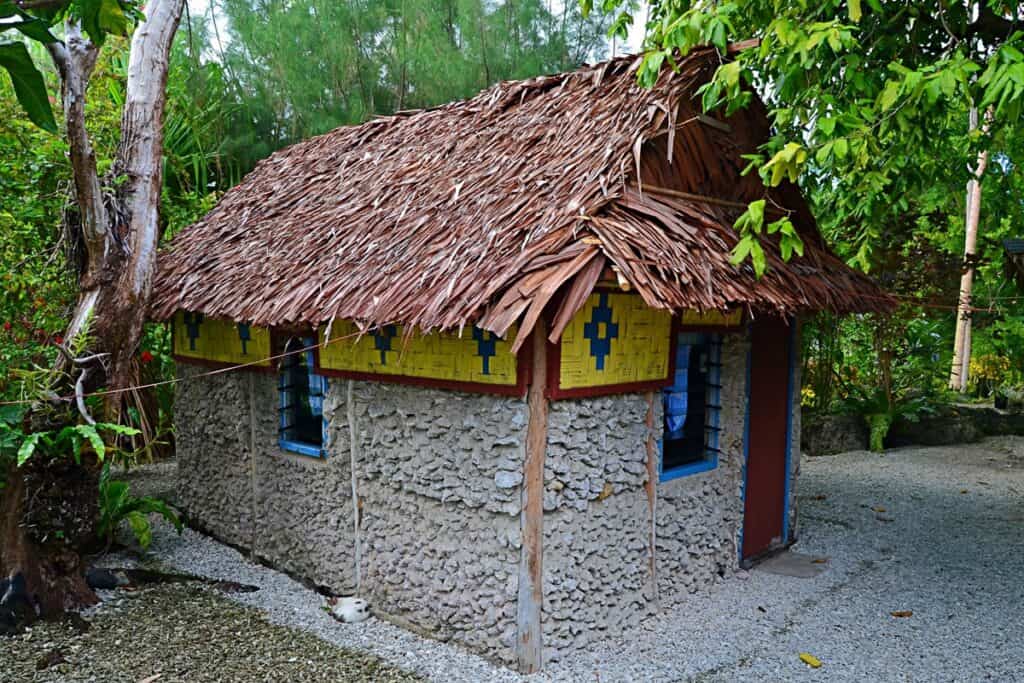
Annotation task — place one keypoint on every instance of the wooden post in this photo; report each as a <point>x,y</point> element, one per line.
<point>652,497</point>
<point>531,573</point>
<point>254,490</point>
<point>959,374</point>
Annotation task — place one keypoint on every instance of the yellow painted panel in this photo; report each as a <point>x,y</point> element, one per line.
<point>196,336</point>
<point>615,339</point>
<point>713,318</point>
<point>438,356</point>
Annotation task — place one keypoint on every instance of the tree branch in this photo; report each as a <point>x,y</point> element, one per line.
<point>75,60</point>
<point>140,150</point>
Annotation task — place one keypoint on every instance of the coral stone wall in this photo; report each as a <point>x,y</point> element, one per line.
<point>700,516</point>
<point>597,522</point>
<point>438,477</point>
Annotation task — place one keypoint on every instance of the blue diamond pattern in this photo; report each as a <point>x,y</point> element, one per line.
<point>192,323</point>
<point>486,343</point>
<point>245,336</point>
<point>382,341</point>
<point>601,344</point>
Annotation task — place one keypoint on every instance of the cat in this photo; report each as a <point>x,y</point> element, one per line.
<point>349,610</point>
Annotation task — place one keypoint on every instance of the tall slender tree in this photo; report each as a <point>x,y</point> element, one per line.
<point>48,506</point>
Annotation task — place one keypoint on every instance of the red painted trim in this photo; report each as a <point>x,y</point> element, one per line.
<point>518,389</point>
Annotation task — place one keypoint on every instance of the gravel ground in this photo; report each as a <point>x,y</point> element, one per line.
<point>183,632</point>
<point>938,532</point>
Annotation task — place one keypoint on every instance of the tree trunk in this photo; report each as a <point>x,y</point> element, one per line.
<point>49,510</point>
<point>960,370</point>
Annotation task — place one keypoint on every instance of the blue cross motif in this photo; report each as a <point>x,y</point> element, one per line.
<point>192,323</point>
<point>245,336</point>
<point>601,330</point>
<point>486,343</point>
<point>382,341</point>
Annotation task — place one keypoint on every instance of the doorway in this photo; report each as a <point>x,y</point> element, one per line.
<point>770,406</point>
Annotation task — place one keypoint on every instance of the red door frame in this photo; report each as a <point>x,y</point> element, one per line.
<point>769,419</point>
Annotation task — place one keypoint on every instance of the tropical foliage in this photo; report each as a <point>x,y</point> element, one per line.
<point>870,104</point>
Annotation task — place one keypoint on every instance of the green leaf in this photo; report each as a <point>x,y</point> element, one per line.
<point>140,528</point>
<point>840,147</point>
<point>90,433</point>
<point>29,86</point>
<point>854,7</point>
<point>36,29</point>
<point>90,17</point>
<point>741,251</point>
<point>756,211</point>
<point>757,258</point>
<point>11,415</point>
<point>112,19</point>
<point>28,447</point>
<point>123,430</point>
<point>889,95</point>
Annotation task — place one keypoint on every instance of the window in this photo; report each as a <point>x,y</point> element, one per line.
<point>693,407</point>
<point>302,400</point>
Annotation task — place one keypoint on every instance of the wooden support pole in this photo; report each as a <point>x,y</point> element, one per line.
<point>531,572</point>
<point>652,498</point>
<point>254,490</point>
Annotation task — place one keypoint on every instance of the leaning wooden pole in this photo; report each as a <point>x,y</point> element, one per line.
<point>531,570</point>
<point>651,488</point>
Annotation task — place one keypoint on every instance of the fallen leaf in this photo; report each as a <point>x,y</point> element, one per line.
<point>820,496</point>
<point>150,679</point>
<point>819,560</point>
<point>810,660</point>
<point>878,508</point>
<point>963,490</point>
<point>902,613</point>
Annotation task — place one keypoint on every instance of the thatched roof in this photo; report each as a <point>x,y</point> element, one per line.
<point>485,211</point>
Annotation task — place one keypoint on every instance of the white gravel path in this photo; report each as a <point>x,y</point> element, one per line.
<point>949,546</point>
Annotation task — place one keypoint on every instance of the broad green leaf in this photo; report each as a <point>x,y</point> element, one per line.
<point>840,147</point>
<point>757,258</point>
<point>112,19</point>
<point>741,251</point>
<point>28,447</point>
<point>854,8</point>
<point>140,528</point>
<point>756,211</point>
<point>29,86</point>
<point>889,95</point>
<point>90,433</point>
<point>36,29</point>
<point>11,415</point>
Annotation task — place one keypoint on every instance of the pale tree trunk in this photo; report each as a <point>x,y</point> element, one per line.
<point>120,229</point>
<point>960,371</point>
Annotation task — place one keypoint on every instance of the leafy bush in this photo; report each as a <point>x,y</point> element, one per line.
<point>117,505</point>
<point>879,413</point>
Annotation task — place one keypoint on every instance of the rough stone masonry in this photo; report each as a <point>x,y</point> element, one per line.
<point>437,481</point>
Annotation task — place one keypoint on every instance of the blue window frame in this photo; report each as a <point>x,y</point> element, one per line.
<point>693,407</point>
<point>301,393</point>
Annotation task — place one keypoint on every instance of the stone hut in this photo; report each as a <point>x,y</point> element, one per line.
<point>490,366</point>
